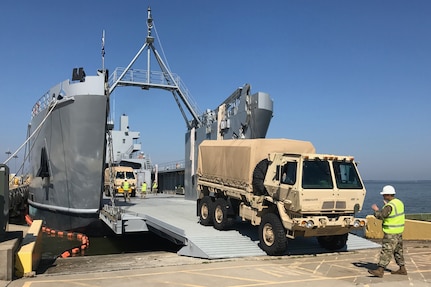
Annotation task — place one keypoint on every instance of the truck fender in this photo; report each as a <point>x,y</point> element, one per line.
<point>284,217</point>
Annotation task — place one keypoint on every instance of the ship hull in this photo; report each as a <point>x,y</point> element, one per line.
<point>68,156</point>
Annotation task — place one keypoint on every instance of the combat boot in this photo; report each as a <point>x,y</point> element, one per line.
<point>378,272</point>
<point>401,271</point>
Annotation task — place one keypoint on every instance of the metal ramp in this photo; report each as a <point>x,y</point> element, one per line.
<point>228,244</point>
<point>174,218</point>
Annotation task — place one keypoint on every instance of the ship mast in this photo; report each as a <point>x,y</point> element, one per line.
<point>103,50</point>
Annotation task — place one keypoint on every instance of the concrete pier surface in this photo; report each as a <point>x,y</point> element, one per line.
<point>169,269</point>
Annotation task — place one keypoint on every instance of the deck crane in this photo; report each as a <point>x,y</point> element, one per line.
<point>147,79</point>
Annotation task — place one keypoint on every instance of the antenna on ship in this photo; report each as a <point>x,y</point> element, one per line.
<point>149,21</point>
<point>103,50</point>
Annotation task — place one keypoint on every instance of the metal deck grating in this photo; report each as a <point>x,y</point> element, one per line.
<point>174,217</point>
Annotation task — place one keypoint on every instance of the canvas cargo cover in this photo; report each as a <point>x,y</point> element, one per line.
<point>231,162</point>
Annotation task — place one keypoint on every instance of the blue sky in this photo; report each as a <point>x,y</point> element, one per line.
<point>352,77</point>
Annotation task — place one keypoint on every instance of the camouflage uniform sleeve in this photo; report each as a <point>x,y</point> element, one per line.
<point>383,213</point>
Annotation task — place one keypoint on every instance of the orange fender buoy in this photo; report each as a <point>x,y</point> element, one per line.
<point>65,254</point>
<point>28,219</point>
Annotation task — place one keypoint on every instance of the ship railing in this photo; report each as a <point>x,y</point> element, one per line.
<point>172,165</point>
<point>154,79</point>
<point>41,104</point>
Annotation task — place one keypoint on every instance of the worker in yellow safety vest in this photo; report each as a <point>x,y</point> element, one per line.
<point>392,215</point>
<point>155,187</point>
<point>126,188</point>
<point>143,189</point>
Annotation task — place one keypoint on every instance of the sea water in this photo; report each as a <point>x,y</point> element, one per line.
<point>416,195</point>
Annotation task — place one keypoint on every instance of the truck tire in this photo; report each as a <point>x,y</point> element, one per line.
<point>272,235</point>
<point>333,242</point>
<point>220,216</point>
<point>259,174</point>
<point>206,211</point>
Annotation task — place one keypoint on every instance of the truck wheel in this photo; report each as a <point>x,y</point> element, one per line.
<point>272,235</point>
<point>206,211</point>
<point>220,217</point>
<point>333,242</point>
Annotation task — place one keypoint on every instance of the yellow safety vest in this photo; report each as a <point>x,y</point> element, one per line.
<point>394,223</point>
<point>126,186</point>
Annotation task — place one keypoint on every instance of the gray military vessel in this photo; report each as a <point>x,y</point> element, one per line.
<point>67,152</point>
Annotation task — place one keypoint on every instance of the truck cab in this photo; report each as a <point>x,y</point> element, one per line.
<point>315,183</point>
<point>119,175</point>
<point>315,195</point>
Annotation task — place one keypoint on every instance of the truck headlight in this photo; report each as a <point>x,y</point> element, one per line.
<point>308,224</point>
<point>359,223</point>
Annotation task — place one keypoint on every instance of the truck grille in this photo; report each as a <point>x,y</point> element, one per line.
<point>334,205</point>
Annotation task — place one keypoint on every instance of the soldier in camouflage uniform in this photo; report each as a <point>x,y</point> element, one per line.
<point>392,215</point>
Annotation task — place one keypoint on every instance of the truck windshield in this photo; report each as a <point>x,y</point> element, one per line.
<point>316,174</point>
<point>346,175</point>
<point>130,175</point>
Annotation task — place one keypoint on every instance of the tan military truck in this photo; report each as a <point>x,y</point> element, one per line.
<point>282,186</point>
<point>119,175</point>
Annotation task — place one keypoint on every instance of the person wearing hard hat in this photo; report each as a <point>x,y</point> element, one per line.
<point>392,215</point>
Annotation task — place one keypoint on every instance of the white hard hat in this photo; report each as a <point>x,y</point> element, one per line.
<point>388,189</point>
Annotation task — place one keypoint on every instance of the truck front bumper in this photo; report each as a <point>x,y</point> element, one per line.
<point>323,225</point>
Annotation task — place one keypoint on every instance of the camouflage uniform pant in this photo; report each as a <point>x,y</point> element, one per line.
<point>392,244</point>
